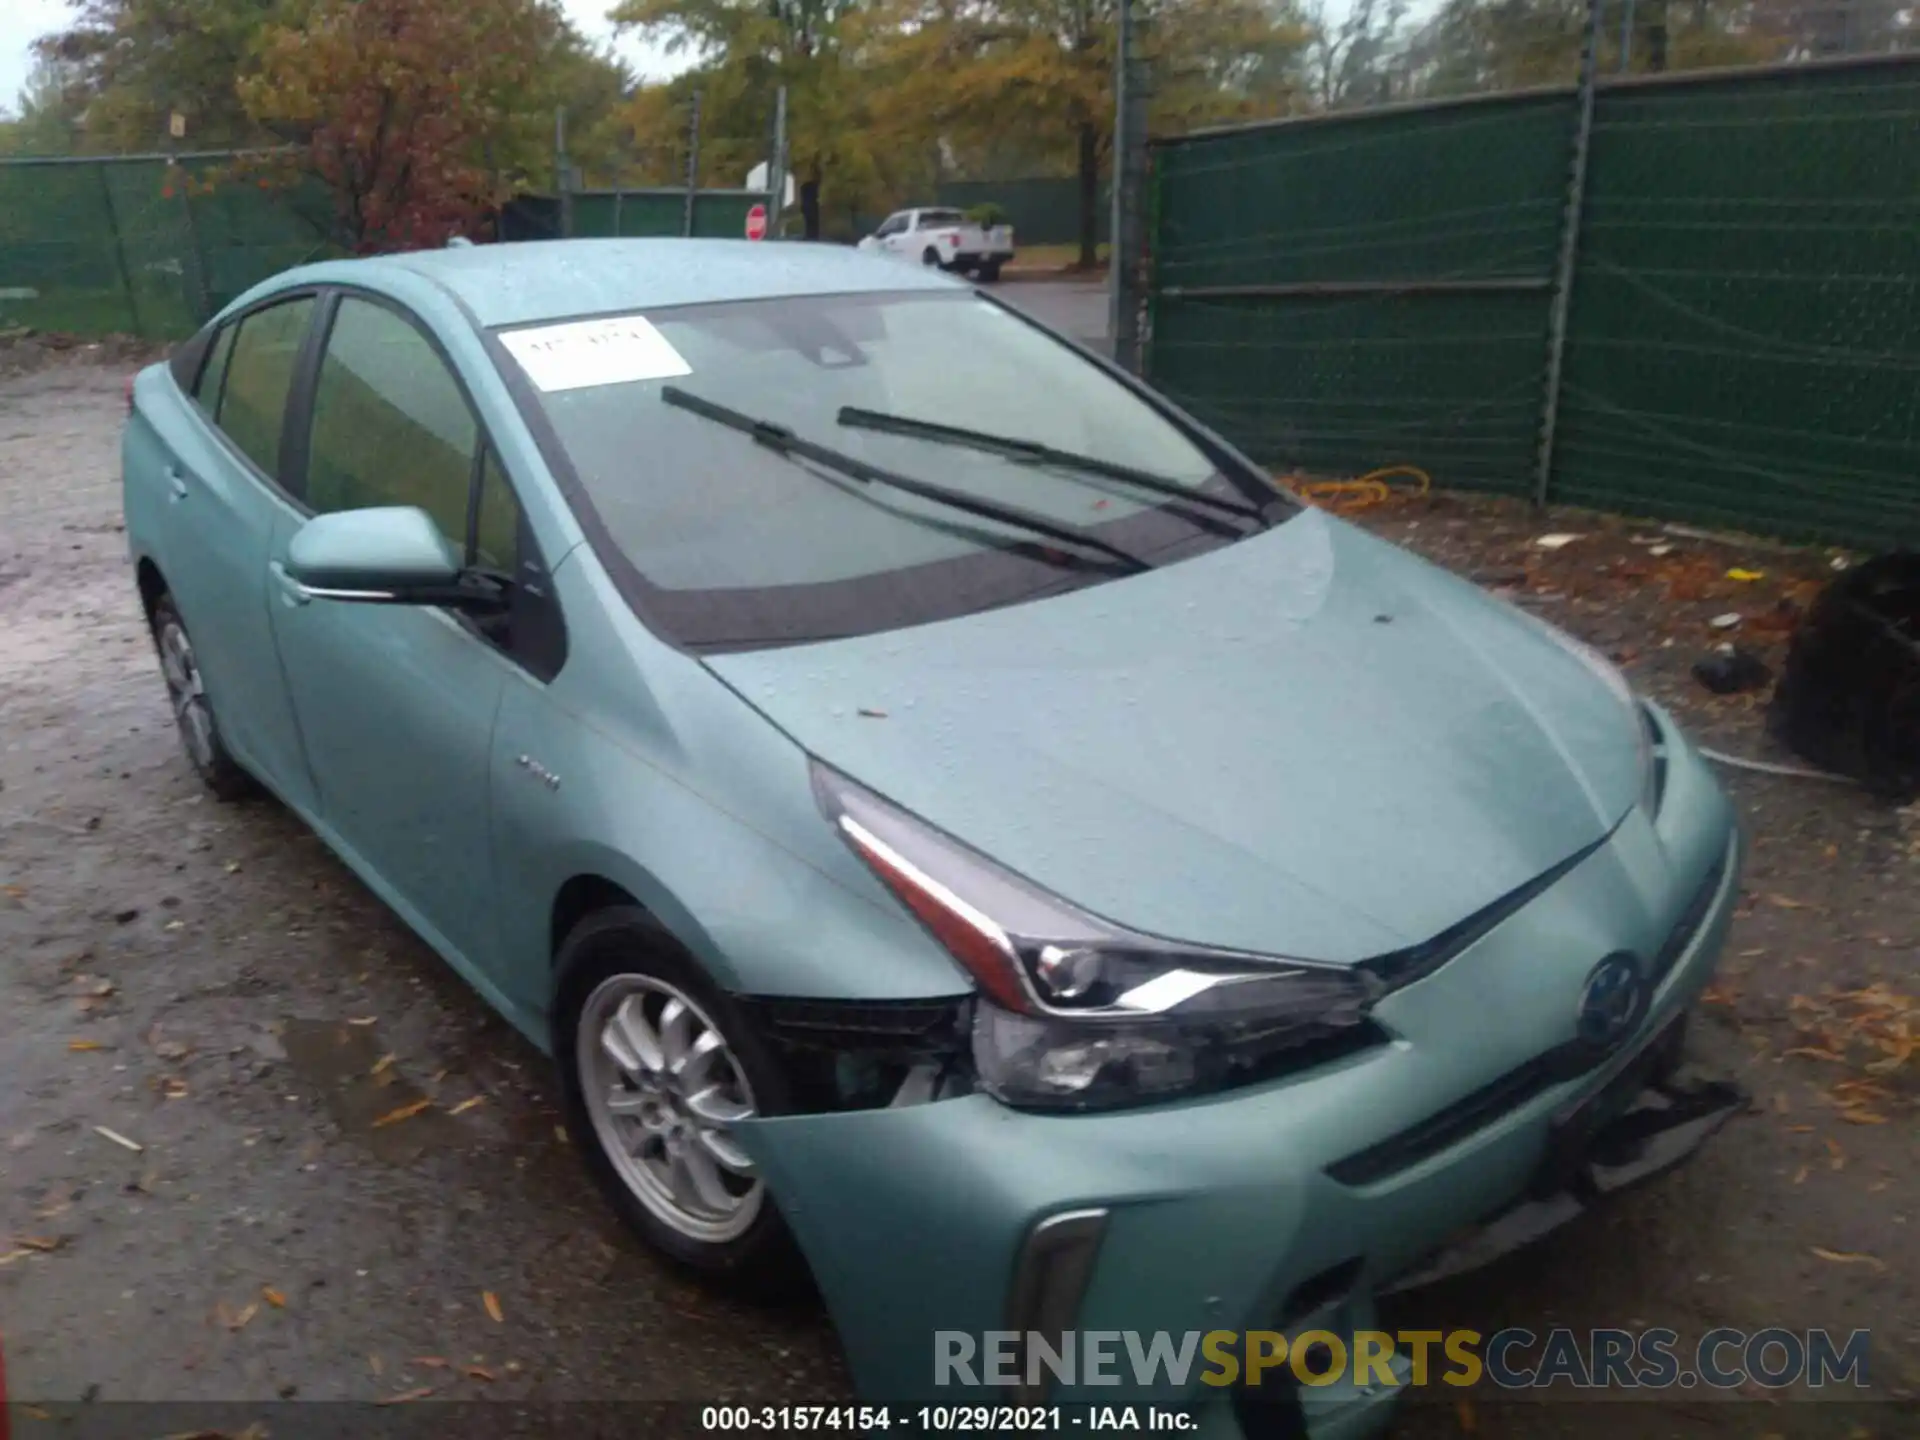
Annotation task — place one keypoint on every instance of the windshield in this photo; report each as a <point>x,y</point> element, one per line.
<point>726,541</point>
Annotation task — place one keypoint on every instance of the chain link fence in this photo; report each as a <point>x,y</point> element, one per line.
<point>146,245</point>
<point>1740,342</point>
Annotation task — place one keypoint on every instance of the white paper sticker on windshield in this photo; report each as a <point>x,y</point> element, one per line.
<point>594,352</point>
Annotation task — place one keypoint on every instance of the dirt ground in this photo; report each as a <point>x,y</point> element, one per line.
<point>196,1201</point>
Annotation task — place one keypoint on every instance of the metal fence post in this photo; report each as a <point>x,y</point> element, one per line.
<point>562,172</point>
<point>1126,240</point>
<point>693,163</point>
<point>119,247</point>
<point>1569,252</point>
<point>777,167</point>
<point>196,254</point>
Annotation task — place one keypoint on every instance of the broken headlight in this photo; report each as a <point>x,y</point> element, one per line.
<point>1075,1012</point>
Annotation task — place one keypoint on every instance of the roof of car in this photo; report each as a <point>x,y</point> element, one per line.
<point>516,283</point>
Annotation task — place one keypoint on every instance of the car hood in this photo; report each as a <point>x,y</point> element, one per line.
<point>1308,743</point>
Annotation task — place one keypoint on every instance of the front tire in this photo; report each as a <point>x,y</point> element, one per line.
<point>193,708</point>
<point>656,1066</point>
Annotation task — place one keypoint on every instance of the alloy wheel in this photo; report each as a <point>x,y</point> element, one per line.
<point>663,1090</point>
<point>187,694</point>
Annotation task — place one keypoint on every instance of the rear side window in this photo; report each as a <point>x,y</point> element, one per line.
<point>390,426</point>
<point>259,373</point>
<point>934,219</point>
<point>213,374</point>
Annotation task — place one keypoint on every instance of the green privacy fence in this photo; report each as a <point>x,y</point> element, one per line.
<point>1743,337</point>
<point>150,245</point>
<point>1045,210</point>
<point>141,245</point>
<point>717,214</point>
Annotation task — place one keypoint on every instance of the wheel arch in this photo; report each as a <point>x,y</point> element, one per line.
<point>152,585</point>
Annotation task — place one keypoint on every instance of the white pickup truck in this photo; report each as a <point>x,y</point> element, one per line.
<point>945,238</point>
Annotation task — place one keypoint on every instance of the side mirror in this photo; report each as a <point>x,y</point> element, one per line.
<point>389,555</point>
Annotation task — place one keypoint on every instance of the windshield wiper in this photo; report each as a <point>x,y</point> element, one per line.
<point>784,442</point>
<point>1039,453</point>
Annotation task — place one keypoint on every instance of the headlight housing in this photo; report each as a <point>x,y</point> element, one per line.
<point>1652,769</point>
<point>1077,1013</point>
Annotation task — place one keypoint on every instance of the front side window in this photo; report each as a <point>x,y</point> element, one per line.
<point>259,376</point>
<point>390,426</point>
<point>726,543</point>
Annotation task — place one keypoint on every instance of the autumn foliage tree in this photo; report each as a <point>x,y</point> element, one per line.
<point>413,113</point>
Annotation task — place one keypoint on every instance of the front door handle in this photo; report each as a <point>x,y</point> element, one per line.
<point>176,483</point>
<point>292,592</point>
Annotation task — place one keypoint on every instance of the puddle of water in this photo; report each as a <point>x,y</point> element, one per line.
<point>368,1095</point>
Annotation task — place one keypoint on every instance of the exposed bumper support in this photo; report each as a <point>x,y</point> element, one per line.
<point>1663,1125</point>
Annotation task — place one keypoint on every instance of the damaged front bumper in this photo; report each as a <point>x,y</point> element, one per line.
<point>1284,1206</point>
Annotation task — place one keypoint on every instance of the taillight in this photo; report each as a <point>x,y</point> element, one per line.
<point>954,238</point>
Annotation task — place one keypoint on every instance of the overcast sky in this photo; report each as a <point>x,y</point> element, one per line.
<point>24,21</point>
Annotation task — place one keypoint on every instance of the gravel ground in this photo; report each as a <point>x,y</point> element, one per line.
<point>195,998</point>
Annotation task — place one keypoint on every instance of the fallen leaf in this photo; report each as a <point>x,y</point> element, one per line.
<point>117,1138</point>
<point>238,1320</point>
<point>1862,1117</point>
<point>478,1372</point>
<point>1746,577</point>
<point>376,1364</point>
<point>173,1087</point>
<point>1839,1159</point>
<point>466,1105</point>
<point>1802,1174</point>
<point>1554,542</point>
<point>13,1255</point>
<point>273,1297</point>
<point>1848,1257</point>
<point>405,1112</point>
<point>492,1302</point>
<point>78,1045</point>
<point>1750,954</point>
<point>1787,903</point>
<point>363,1020</point>
<point>36,1412</point>
<point>380,1065</point>
<point>407,1396</point>
<point>429,1362</point>
<point>1810,1052</point>
<point>45,1244</point>
<point>1799,1129</point>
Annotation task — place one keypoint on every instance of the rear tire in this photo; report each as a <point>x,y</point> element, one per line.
<point>990,272</point>
<point>193,708</point>
<point>930,257</point>
<point>655,1134</point>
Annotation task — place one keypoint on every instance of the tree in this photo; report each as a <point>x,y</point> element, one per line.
<point>820,50</point>
<point>52,107</point>
<point>1348,56</point>
<point>415,114</point>
<point>140,61</point>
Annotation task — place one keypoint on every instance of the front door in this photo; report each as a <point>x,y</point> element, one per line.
<point>396,703</point>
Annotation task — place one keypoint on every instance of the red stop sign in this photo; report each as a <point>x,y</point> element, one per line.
<point>757,223</point>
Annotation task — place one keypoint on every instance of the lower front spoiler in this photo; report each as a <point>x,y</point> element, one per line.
<point>1663,1125</point>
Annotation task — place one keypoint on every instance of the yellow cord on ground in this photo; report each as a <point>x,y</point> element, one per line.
<point>1365,491</point>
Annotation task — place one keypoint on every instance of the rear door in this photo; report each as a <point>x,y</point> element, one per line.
<point>398,703</point>
<point>224,465</point>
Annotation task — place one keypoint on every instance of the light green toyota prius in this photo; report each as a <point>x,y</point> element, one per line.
<point>957,828</point>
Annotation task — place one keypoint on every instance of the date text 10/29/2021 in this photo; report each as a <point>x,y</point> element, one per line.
<point>963,1419</point>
